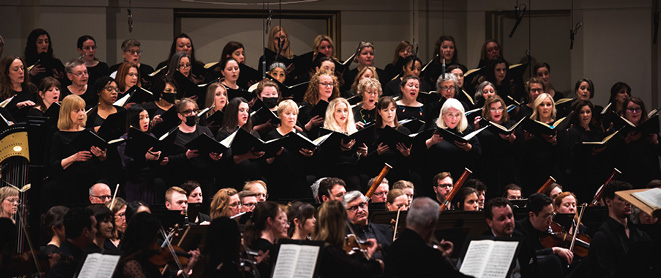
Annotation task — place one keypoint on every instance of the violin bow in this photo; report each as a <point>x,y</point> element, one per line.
<point>394,234</point>
<point>580,216</point>
<point>174,255</point>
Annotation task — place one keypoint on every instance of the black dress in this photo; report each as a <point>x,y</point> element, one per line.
<point>95,72</point>
<point>144,69</point>
<point>240,173</point>
<point>90,97</point>
<point>498,164</point>
<point>586,170</point>
<point>28,93</point>
<point>335,262</point>
<point>401,165</point>
<point>363,115</point>
<point>638,160</point>
<point>290,173</point>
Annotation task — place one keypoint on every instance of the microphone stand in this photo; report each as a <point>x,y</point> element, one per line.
<point>518,14</point>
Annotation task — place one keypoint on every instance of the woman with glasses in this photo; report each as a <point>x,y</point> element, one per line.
<point>636,152</point>
<point>120,219</point>
<point>86,45</point>
<point>323,87</point>
<point>225,203</point>
<point>184,44</point>
<point>73,169</point>
<point>448,87</point>
<point>128,75</point>
<point>181,163</point>
<point>498,161</point>
<point>78,74</point>
<point>289,171</point>
<point>107,90</point>
<point>10,202</point>
<point>364,112</point>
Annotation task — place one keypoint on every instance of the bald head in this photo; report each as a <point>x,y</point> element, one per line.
<point>100,193</point>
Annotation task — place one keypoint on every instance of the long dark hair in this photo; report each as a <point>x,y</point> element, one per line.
<point>577,106</point>
<point>141,233</point>
<point>490,73</point>
<point>133,116</point>
<point>229,48</point>
<point>173,48</point>
<point>31,46</point>
<point>257,223</point>
<point>383,103</point>
<point>437,49</point>
<point>5,82</point>
<point>231,119</point>
<point>301,211</point>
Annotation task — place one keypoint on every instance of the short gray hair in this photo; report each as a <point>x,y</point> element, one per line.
<point>421,211</point>
<point>129,43</point>
<point>68,67</point>
<point>352,196</point>
<point>447,77</point>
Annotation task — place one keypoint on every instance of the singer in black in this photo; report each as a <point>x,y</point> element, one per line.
<point>445,55</point>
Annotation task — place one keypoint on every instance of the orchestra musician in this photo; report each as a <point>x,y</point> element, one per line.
<point>120,218</point>
<point>104,229</point>
<point>225,203</point>
<point>331,188</point>
<point>397,200</point>
<point>267,225</point>
<point>9,202</point>
<point>466,199</point>
<point>302,220</point>
<point>194,195</point>
<point>355,204</point>
<point>53,221</point>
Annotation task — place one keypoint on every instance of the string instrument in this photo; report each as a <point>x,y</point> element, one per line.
<point>558,237</point>
<point>578,222</point>
<point>353,244</point>
<point>455,189</point>
<point>384,171</point>
<point>15,160</point>
<point>600,191</point>
<point>172,254</point>
<point>545,187</point>
<point>395,224</point>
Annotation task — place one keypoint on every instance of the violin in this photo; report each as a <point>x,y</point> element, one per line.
<point>164,256</point>
<point>353,245</point>
<point>558,237</point>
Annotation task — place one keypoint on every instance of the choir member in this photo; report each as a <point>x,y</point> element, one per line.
<point>167,95</point>
<point>343,161</point>
<point>230,71</point>
<point>323,87</point>
<point>448,87</point>
<point>53,222</point>
<point>80,85</point>
<point>466,199</point>
<point>408,107</point>
<point>369,90</point>
<point>324,44</point>
<point>302,220</point>
<point>141,174</point>
<point>497,72</point>
<point>483,92</point>
<point>589,165</point>
<point>534,87</point>
<point>543,72</point>
<point>278,71</point>
<point>182,163</point>
<point>490,50</point>
<point>9,202</point>
<point>462,95</point>
<point>243,166</point>
<point>278,42</point>
<point>397,200</point>
<point>131,53</point>
<point>289,171</point>
<point>400,157</point>
<point>14,83</point>
<point>584,90</point>
<point>355,204</point>
<point>366,72</point>
<point>183,43</point>
<point>86,45</point>
<point>217,99</point>
<point>365,58</point>
<point>268,93</point>
<point>225,203</point>
<point>69,167</point>
<point>335,262</point>
<point>445,53</point>
<point>49,93</point>
<point>326,64</point>
<point>107,90</point>
<point>234,49</point>
<point>620,92</point>
<point>411,66</point>
<point>128,76</point>
<point>443,154</point>
<point>636,152</point>
<point>498,165</point>
<point>180,62</point>
<point>403,50</point>
<point>39,55</point>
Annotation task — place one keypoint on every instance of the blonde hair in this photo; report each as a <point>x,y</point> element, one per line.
<point>401,184</point>
<point>249,184</point>
<point>369,83</point>
<point>354,85</point>
<point>271,42</point>
<point>538,101</point>
<point>211,96</point>
<point>69,104</point>
<point>332,124</point>
<point>317,42</point>
<point>220,202</point>
<point>287,105</point>
<point>330,223</point>
<point>453,103</point>
<point>6,192</point>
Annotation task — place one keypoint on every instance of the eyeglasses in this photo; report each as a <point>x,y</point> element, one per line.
<point>189,112</point>
<point>496,109</point>
<point>111,89</point>
<point>381,193</point>
<point>184,66</point>
<point>233,205</point>
<point>362,206</point>
<point>14,200</point>
<point>447,88</point>
<point>634,110</point>
<point>445,185</point>
<point>536,90</point>
<point>104,197</point>
<point>81,74</point>
<point>133,52</point>
<point>249,204</point>
<point>326,84</point>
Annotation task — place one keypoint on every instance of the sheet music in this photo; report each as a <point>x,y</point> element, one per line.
<point>488,258</point>
<point>296,261</point>
<point>650,197</point>
<point>99,266</point>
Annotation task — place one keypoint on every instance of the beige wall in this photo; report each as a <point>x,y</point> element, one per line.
<point>597,53</point>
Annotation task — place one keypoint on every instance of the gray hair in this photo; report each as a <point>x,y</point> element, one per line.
<point>478,90</point>
<point>68,67</point>
<point>352,196</point>
<point>127,44</point>
<point>91,190</point>
<point>277,65</point>
<point>448,77</point>
<point>421,211</point>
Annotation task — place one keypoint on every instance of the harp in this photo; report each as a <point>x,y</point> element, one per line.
<point>14,165</point>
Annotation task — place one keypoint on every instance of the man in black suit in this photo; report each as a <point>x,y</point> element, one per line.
<point>358,213</point>
<point>411,255</point>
